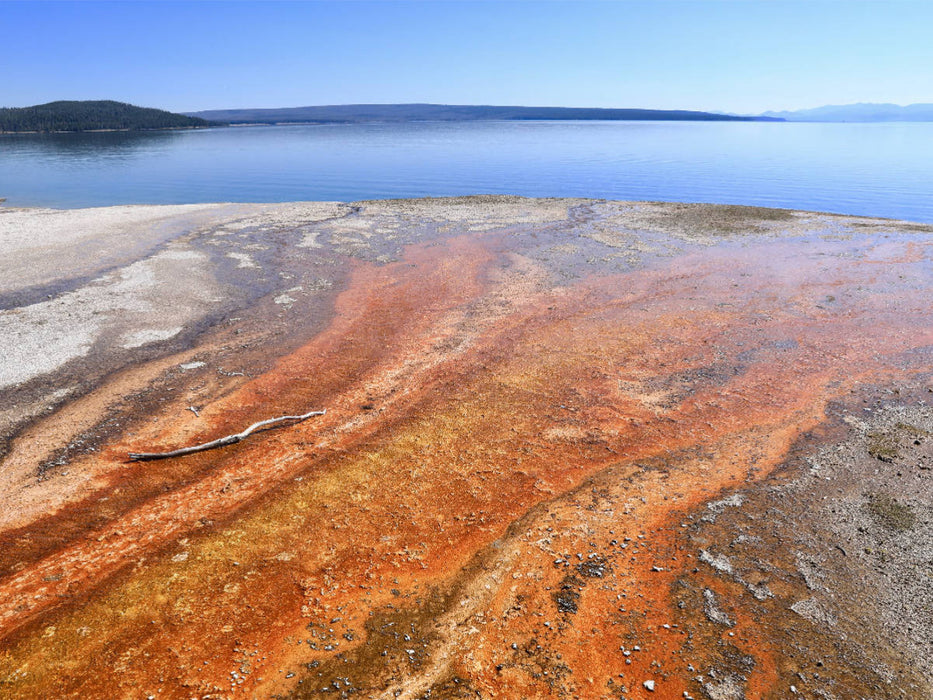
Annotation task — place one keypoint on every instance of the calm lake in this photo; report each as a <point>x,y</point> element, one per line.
<point>871,169</point>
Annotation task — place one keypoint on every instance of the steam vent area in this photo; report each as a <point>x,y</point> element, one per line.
<point>569,449</point>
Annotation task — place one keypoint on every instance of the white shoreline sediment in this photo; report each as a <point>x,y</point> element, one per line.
<point>127,273</point>
<point>41,246</point>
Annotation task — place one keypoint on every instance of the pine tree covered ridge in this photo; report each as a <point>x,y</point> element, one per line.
<point>92,115</point>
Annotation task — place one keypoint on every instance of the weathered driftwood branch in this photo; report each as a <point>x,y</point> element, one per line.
<point>220,442</point>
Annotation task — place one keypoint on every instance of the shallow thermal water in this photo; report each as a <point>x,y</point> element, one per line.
<point>543,420</point>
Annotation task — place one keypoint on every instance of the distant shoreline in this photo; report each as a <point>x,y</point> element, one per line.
<point>110,131</point>
<point>857,113</point>
<point>325,122</point>
<point>417,112</point>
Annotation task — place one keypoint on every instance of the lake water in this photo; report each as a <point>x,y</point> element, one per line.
<point>870,169</point>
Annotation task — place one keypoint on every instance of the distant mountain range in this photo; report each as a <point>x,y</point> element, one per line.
<point>353,114</point>
<point>861,112</point>
<point>92,115</point>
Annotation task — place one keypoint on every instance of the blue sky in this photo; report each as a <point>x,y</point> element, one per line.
<point>730,55</point>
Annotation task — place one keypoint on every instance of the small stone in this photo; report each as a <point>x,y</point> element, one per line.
<point>649,686</point>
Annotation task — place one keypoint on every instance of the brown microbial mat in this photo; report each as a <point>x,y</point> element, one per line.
<point>571,449</point>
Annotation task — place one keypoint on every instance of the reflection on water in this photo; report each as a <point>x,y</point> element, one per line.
<point>871,169</point>
<point>92,146</point>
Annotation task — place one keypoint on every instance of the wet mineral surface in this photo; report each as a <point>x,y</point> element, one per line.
<point>572,449</point>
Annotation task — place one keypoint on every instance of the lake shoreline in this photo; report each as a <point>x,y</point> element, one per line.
<point>112,131</point>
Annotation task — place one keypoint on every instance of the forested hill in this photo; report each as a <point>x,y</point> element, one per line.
<point>92,116</point>
<point>433,112</point>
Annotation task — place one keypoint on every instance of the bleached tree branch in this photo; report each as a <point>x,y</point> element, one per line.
<point>220,442</point>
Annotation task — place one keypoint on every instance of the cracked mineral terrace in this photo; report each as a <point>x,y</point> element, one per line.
<point>572,449</point>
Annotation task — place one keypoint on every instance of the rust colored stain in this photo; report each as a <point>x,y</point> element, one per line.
<point>493,502</point>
